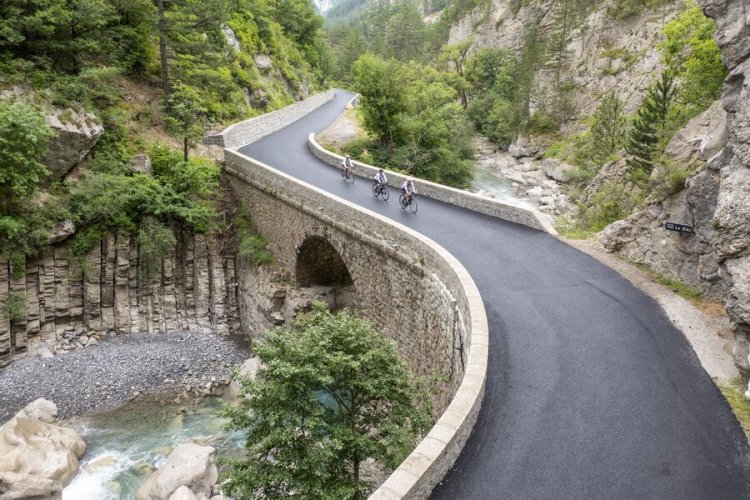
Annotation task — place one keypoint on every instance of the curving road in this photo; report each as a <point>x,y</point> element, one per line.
<point>591,392</point>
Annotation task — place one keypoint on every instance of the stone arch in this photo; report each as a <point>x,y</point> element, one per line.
<point>320,266</point>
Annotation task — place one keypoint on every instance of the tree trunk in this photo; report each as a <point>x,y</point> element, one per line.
<point>185,147</point>
<point>162,28</point>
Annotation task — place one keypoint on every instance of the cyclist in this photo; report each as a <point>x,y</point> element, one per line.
<point>408,189</point>
<point>380,179</point>
<point>346,164</point>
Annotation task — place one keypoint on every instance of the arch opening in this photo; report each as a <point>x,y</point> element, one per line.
<point>320,267</point>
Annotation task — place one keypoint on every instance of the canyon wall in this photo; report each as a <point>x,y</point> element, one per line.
<point>61,302</point>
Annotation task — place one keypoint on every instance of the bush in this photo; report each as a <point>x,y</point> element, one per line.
<point>252,245</point>
<point>613,201</point>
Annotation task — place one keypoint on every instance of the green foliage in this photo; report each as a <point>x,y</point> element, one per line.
<point>669,178</point>
<point>419,126</point>
<point>612,202</point>
<point>333,392</point>
<point>155,241</point>
<point>649,132</point>
<point>185,115</point>
<point>23,141</point>
<point>252,245</point>
<point>608,127</point>
<point>734,392</point>
<point>683,290</point>
<point>691,53</point>
<point>627,9</point>
<point>14,308</point>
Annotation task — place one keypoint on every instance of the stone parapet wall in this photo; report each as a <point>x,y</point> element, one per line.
<point>406,284</point>
<point>60,297</point>
<point>253,129</point>
<point>464,199</point>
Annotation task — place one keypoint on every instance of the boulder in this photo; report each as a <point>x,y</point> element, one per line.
<point>61,231</point>
<point>141,164</point>
<point>249,369</point>
<point>231,37</point>
<point>258,99</point>
<point>33,447</point>
<point>263,62</point>
<point>188,465</point>
<point>616,171</point>
<point>703,137</point>
<point>76,133</point>
<point>557,170</point>
<point>41,409</point>
<point>14,486</point>
<point>183,493</point>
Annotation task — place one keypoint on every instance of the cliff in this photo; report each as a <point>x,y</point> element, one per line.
<point>716,202</point>
<point>602,52</point>
<point>61,302</point>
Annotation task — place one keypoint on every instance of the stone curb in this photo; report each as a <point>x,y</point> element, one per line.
<point>425,467</point>
<point>464,199</point>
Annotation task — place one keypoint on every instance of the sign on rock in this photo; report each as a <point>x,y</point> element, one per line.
<point>680,228</point>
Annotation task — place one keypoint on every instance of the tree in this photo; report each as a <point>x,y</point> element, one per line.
<point>647,133</point>
<point>24,136</point>
<point>332,393</point>
<point>455,57</point>
<point>381,85</point>
<point>185,116</point>
<point>608,128</point>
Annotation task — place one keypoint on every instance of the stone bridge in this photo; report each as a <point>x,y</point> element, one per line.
<point>590,391</point>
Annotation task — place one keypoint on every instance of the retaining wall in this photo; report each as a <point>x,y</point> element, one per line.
<point>460,198</point>
<point>251,130</point>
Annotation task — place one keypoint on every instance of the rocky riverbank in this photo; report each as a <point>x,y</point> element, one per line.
<point>535,181</point>
<point>122,368</point>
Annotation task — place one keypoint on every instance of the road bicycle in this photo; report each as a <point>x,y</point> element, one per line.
<point>347,175</point>
<point>405,201</point>
<point>380,190</point>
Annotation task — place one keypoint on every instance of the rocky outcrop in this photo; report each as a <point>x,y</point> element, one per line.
<point>190,466</point>
<point>716,201</point>
<point>37,458</point>
<point>605,54</point>
<point>62,302</point>
<point>76,133</point>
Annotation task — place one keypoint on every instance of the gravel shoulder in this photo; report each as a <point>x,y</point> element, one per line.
<point>705,324</point>
<point>119,369</point>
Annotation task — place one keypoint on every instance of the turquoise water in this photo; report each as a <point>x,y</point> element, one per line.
<point>125,446</point>
<point>488,180</point>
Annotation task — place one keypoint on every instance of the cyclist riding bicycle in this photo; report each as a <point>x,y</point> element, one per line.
<point>380,178</point>
<point>346,164</point>
<point>408,189</point>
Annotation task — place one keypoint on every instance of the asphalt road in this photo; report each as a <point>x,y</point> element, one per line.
<point>591,392</point>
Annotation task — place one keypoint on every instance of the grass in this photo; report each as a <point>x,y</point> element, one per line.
<point>683,290</point>
<point>734,392</point>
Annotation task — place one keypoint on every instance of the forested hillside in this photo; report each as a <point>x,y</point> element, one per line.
<point>103,101</point>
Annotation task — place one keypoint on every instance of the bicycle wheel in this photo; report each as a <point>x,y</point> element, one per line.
<point>413,206</point>
<point>375,190</point>
<point>402,201</point>
<point>385,193</point>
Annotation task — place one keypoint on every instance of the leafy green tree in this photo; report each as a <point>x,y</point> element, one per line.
<point>333,392</point>
<point>608,127</point>
<point>455,56</point>
<point>24,136</point>
<point>186,116</point>
<point>381,87</point>
<point>647,135</point>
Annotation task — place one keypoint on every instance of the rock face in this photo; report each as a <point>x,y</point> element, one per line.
<point>37,458</point>
<point>190,466</point>
<point>716,201</point>
<point>66,303</point>
<point>605,54</point>
<point>77,132</point>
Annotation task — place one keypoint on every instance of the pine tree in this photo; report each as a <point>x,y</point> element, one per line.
<point>645,140</point>
<point>608,128</point>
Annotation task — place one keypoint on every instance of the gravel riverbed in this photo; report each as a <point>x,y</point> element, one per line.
<point>119,369</point>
